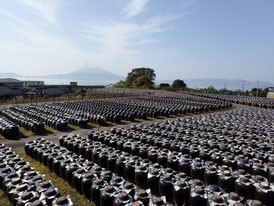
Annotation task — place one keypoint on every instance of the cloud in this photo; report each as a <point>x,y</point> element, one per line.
<point>187,3</point>
<point>135,7</point>
<point>121,38</point>
<point>37,49</point>
<point>43,50</point>
<point>46,9</point>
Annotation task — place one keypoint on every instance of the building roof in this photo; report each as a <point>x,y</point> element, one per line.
<point>8,80</point>
<point>52,91</point>
<point>6,91</point>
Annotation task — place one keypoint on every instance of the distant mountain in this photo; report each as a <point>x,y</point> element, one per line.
<point>95,73</point>
<point>9,74</point>
<point>231,84</point>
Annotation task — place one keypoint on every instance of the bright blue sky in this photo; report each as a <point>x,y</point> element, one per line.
<point>185,39</point>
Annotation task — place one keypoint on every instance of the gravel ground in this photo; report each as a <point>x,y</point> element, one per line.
<point>18,145</point>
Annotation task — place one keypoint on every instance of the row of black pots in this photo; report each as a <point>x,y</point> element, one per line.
<point>246,100</point>
<point>45,114</point>
<point>23,121</point>
<point>7,128</point>
<point>154,179</point>
<point>68,115</point>
<point>49,120</point>
<point>25,186</point>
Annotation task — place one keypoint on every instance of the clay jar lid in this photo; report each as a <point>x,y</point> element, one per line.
<point>157,165</point>
<point>99,182</point>
<point>158,200</point>
<point>182,175</point>
<point>31,173</point>
<point>227,173</point>
<point>181,183</point>
<point>37,203</point>
<point>260,178</point>
<point>22,187</point>
<point>6,170</point>
<point>154,172</point>
<point>37,177</point>
<point>241,171</point>
<point>142,193</point>
<point>124,196</point>
<point>136,204</point>
<point>89,175</point>
<point>26,195</point>
<point>109,189</point>
<point>234,196</point>
<point>50,192</point>
<point>244,179</point>
<point>197,182</point>
<point>264,185</point>
<point>12,175</point>
<point>142,168</point>
<point>129,185</point>
<point>2,165</point>
<point>212,168</point>
<point>80,171</point>
<point>45,184</point>
<point>167,178</point>
<point>117,179</point>
<point>256,203</point>
<point>62,201</point>
<point>217,198</point>
<point>16,180</point>
<point>199,190</point>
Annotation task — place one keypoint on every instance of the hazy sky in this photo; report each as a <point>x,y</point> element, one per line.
<point>177,38</point>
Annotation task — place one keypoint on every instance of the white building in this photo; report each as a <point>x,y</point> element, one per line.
<point>31,84</point>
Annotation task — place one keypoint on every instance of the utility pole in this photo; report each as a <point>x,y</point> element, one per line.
<point>257,89</point>
<point>225,85</point>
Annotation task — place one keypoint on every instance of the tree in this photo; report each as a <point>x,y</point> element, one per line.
<point>138,72</point>
<point>178,84</point>
<point>164,85</point>
<point>143,82</point>
<point>261,92</point>
<point>119,84</point>
<point>211,90</point>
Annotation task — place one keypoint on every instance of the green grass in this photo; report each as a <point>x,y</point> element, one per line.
<point>50,129</point>
<point>25,132</point>
<point>64,187</point>
<point>92,125</point>
<point>4,201</point>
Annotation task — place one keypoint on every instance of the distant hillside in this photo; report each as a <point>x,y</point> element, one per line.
<point>232,84</point>
<point>9,74</point>
<point>88,74</point>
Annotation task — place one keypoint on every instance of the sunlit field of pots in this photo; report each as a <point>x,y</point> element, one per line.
<point>80,113</point>
<point>224,158</point>
<point>23,185</point>
<point>245,100</point>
